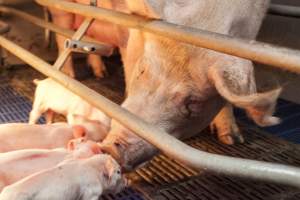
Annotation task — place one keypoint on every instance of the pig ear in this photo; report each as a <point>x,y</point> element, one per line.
<point>233,87</point>
<point>78,131</point>
<point>147,8</point>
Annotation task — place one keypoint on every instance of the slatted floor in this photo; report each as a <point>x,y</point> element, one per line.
<point>166,179</point>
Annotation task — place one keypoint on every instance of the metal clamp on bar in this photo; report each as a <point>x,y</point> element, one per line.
<point>107,49</point>
<point>83,47</point>
<point>77,36</point>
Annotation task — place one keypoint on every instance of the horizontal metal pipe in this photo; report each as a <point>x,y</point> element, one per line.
<point>106,49</point>
<point>284,10</point>
<point>166,143</point>
<point>261,52</point>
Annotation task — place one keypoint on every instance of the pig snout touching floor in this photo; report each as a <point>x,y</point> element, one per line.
<point>16,136</point>
<point>16,165</point>
<point>52,98</point>
<point>84,179</point>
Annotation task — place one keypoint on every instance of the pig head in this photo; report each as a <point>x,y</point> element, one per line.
<point>180,88</point>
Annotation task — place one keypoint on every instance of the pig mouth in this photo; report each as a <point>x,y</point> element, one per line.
<point>130,156</point>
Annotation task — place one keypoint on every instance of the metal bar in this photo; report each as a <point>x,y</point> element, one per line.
<point>166,143</point>
<point>105,51</point>
<point>283,58</point>
<point>77,36</point>
<point>284,10</point>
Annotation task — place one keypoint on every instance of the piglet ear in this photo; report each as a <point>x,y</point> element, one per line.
<point>148,8</point>
<point>78,131</point>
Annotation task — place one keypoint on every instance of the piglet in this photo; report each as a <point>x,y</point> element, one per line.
<point>84,179</point>
<point>16,165</point>
<point>16,136</point>
<point>51,97</point>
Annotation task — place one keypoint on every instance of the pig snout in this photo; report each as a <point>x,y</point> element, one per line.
<point>128,154</point>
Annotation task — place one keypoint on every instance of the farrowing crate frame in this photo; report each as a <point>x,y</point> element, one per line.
<point>264,53</point>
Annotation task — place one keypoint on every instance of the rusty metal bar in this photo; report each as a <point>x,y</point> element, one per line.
<point>283,58</point>
<point>284,10</point>
<point>166,143</point>
<point>105,51</point>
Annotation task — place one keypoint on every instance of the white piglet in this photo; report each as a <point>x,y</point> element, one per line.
<point>17,136</point>
<point>84,179</point>
<point>51,97</point>
<point>16,165</point>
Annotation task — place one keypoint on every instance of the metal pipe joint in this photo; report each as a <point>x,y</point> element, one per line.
<point>83,47</point>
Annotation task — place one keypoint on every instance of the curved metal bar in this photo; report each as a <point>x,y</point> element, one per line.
<point>166,143</point>
<point>283,58</point>
<point>284,10</point>
<point>106,50</point>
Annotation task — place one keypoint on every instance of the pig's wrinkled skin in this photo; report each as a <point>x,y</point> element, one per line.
<point>16,165</point>
<point>84,179</point>
<point>51,97</point>
<point>17,136</point>
<point>179,87</point>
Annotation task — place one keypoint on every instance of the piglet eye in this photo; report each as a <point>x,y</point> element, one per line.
<point>119,172</point>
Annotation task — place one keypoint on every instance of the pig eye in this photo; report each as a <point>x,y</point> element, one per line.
<point>119,172</point>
